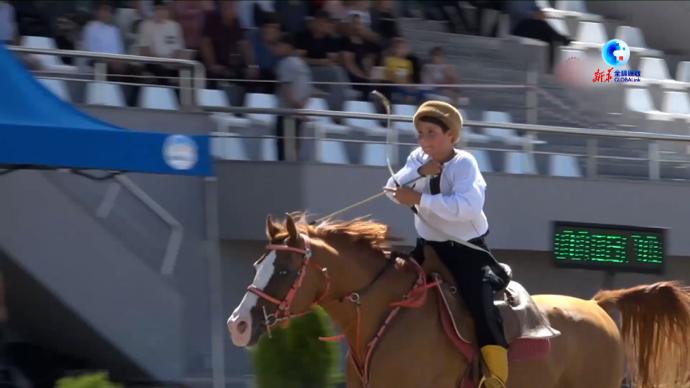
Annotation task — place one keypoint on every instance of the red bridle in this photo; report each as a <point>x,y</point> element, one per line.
<point>282,312</point>
<point>414,298</point>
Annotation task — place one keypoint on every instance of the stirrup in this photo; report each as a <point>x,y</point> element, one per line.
<point>491,382</point>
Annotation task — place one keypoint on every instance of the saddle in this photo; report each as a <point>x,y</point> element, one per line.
<point>525,326</point>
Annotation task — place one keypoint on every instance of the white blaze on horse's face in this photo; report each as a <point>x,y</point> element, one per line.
<point>240,322</point>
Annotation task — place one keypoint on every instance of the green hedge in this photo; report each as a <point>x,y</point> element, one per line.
<point>94,380</point>
<point>295,358</point>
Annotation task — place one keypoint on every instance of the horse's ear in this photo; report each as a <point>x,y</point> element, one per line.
<point>271,228</point>
<point>291,228</point>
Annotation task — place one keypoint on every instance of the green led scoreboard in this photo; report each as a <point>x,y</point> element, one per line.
<point>609,247</point>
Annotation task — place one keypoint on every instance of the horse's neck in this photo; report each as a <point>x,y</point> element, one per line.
<point>375,300</point>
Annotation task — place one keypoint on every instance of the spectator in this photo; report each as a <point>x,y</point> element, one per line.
<point>315,45</point>
<point>292,14</point>
<point>320,49</point>
<point>294,88</point>
<point>336,9</point>
<point>145,8</point>
<point>224,47</point>
<point>439,71</point>
<point>358,8</point>
<point>8,25</point>
<point>101,36</point>
<point>358,55</point>
<point>190,15</point>
<point>67,34</point>
<point>383,22</point>
<point>31,20</point>
<point>528,21</point>
<point>161,37</point>
<point>400,70</point>
<point>128,19</point>
<point>263,41</point>
<point>251,12</point>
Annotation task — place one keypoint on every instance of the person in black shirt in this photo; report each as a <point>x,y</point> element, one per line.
<point>319,48</point>
<point>358,55</point>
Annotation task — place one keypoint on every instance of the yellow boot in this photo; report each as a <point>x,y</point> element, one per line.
<point>496,359</point>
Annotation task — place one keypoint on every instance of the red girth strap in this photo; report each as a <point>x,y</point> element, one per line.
<point>415,298</point>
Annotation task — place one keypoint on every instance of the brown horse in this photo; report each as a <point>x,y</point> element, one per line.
<point>343,267</point>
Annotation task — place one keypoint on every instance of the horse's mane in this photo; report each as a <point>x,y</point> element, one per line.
<point>361,229</point>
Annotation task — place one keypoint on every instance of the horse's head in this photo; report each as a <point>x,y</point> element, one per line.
<point>290,278</point>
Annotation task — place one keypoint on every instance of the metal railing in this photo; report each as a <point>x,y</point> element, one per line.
<point>593,135</point>
<point>192,73</point>
<point>175,238</point>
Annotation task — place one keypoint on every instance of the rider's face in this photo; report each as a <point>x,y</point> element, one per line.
<point>433,140</point>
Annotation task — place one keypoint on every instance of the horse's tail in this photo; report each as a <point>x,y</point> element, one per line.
<point>655,325</point>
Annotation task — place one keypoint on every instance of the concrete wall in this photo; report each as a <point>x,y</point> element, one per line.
<point>63,248</point>
<point>520,208</point>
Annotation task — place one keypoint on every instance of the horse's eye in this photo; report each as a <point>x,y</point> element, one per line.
<point>283,272</point>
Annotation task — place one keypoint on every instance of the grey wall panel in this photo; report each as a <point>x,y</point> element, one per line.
<point>520,208</point>
<point>65,249</point>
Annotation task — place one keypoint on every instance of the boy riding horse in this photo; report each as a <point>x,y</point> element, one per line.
<point>448,205</point>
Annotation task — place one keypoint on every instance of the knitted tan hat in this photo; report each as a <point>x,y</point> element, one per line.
<point>443,112</point>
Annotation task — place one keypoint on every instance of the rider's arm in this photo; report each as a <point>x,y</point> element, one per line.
<point>466,199</point>
<point>408,172</point>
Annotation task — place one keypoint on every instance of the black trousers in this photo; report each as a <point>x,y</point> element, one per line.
<point>477,276</point>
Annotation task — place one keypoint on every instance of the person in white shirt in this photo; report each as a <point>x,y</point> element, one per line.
<point>162,37</point>
<point>448,202</point>
<point>102,36</point>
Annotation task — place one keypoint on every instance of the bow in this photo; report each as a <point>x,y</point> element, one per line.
<point>389,134</point>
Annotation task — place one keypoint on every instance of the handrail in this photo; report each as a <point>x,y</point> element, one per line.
<point>594,132</point>
<point>175,241</point>
<point>199,71</point>
<point>172,248</point>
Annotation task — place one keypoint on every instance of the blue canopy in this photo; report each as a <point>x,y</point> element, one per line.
<point>38,129</point>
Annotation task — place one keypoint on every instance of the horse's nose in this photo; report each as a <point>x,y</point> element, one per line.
<point>242,326</point>
<point>240,329</point>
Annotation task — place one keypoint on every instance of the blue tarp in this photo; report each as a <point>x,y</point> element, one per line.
<point>38,129</point>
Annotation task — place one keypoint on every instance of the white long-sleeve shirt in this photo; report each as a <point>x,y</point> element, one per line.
<point>102,38</point>
<point>458,210</point>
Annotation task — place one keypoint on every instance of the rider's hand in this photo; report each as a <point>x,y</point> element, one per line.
<point>405,195</point>
<point>430,168</point>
